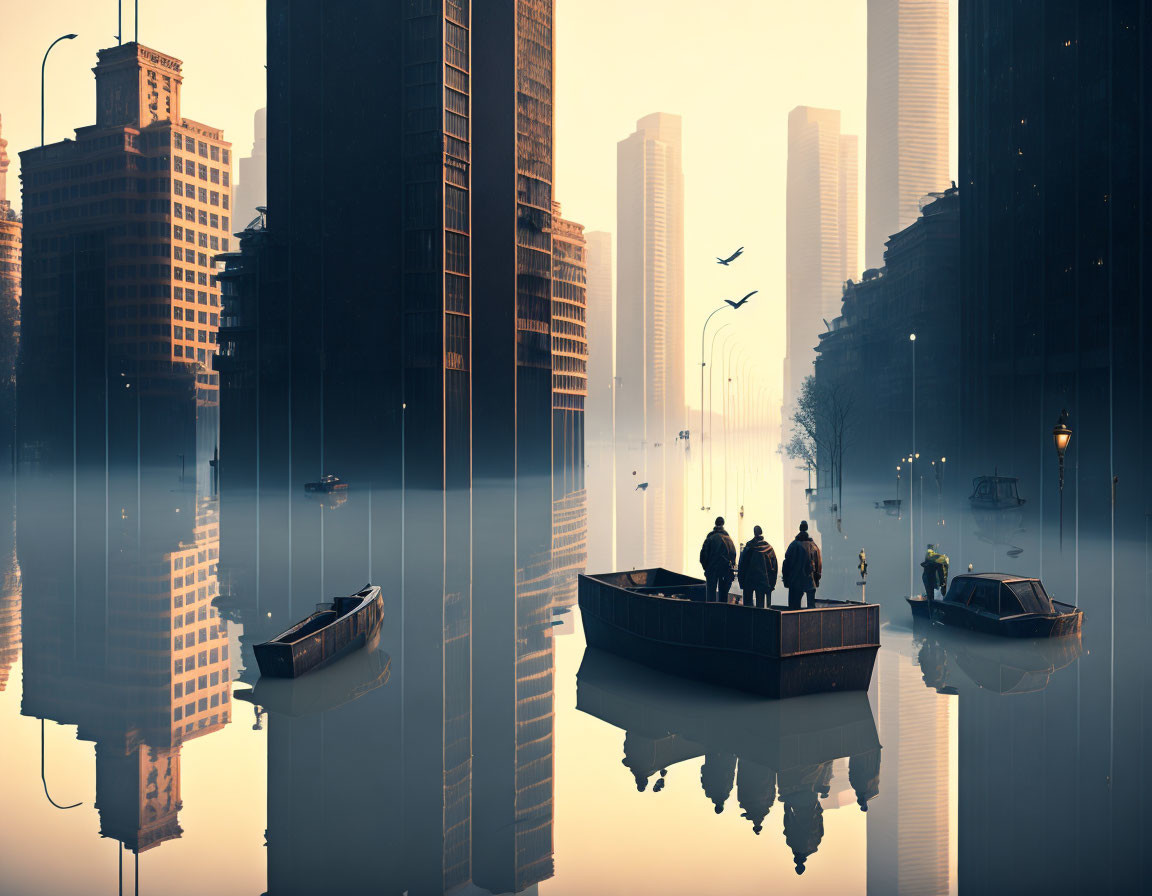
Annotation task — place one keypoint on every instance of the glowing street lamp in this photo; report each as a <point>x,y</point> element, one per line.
<point>1061,436</point>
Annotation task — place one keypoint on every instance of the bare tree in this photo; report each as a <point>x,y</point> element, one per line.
<point>801,448</point>
<point>822,425</point>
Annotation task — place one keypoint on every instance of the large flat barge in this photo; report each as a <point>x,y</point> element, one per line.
<point>659,618</point>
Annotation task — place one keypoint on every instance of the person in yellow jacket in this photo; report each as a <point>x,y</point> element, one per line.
<point>935,573</point>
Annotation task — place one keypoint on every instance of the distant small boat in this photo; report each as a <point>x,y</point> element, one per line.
<point>995,493</point>
<point>1000,604</point>
<point>333,631</point>
<point>326,483</point>
<point>659,618</point>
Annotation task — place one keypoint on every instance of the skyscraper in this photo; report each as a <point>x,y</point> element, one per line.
<point>569,393</point>
<point>120,294</point>
<point>599,430</point>
<point>252,172</point>
<point>413,276</point>
<point>512,297</point>
<point>650,409</point>
<point>822,250</point>
<point>369,259</point>
<point>908,126</point>
<point>10,261</point>
<point>1054,174</point>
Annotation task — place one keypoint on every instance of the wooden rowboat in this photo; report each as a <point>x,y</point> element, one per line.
<point>333,631</point>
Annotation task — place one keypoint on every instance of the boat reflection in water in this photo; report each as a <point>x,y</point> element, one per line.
<point>1025,771</point>
<point>954,661</point>
<point>767,749</point>
<point>326,689</point>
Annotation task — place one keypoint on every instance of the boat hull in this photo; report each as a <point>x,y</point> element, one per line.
<point>1027,626</point>
<point>345,634</point>
<point>776,653</point>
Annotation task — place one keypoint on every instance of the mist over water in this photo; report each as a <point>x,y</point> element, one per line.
<point>479,745</point>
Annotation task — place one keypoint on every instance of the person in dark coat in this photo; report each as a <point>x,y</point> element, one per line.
<point>802,568</point>
<point>718,556</point>
<point>757,571</point>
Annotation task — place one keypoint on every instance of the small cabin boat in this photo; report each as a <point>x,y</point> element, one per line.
<point>660,619</point>
<point>1000,604</point>
<point>995,493</point>
<point>333,631</point>
<point>327,483</point>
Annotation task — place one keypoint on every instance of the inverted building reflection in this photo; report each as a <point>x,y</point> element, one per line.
<point>11,586</point>
<point>1018,776</point>
<point>783,751</point>
<point>123,641</point>
<point>425,763</point>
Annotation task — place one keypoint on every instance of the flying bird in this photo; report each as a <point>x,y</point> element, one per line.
<point>743,300</point>
<point>731,258</point>
<point>642,487</point>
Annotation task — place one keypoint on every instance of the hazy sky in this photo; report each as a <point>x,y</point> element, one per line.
<point>732,68</point>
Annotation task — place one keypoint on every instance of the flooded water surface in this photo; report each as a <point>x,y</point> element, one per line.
<point>479,747</point>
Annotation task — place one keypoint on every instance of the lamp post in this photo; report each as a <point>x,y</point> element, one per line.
<point>911,515</point>
<point>1061,436</point>
<point>911,521</point>
<point>703,332</point>
<point>42,67</point>
<point>711,355</point>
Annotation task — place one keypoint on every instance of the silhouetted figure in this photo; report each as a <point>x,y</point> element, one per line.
<point>758,570</point>
<point>756,791</point>
<point>802,568</point>
<point>717,776</point>
<point>717,556</point>
<point>800,790</point>
<point>864,776</point>
<point>935,575</point>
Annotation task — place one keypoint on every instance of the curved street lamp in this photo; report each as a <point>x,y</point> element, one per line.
<point>703,331</point>
<point>1061,436</point>
<point>42,66</point>
<point>43,776</point>
<point>711,355</point>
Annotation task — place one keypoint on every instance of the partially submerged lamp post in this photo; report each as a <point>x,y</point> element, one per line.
<point>1061,436</point>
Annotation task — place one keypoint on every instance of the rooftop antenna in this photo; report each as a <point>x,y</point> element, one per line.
<point>136,36</point>
<point>119,22</point>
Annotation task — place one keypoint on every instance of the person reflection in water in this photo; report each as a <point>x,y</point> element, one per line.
<point>756,791</point>
<point>800,792</point>
<point>757,571</point>
<point>718,556</point>
<point>717,775</point>
<point>802,568</point>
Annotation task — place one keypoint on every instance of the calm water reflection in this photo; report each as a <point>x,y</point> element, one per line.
<point>479,748</point>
